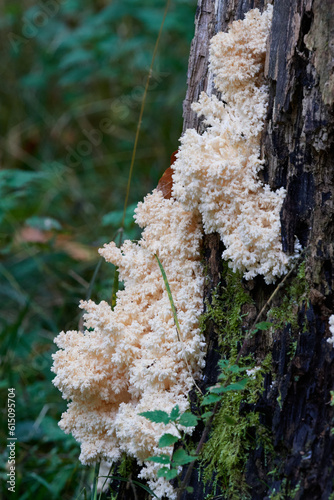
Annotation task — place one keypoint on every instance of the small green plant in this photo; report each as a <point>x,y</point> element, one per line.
<point>228,372</point>
<point>229,381</point>
<point>180,456</point>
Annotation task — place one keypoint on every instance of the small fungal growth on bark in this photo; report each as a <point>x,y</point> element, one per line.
<point>216,172</point>
<point>129,360</point>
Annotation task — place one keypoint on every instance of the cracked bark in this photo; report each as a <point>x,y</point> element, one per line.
<point>298,147</point>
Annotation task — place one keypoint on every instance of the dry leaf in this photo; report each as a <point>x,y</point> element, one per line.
<point>165,184</point>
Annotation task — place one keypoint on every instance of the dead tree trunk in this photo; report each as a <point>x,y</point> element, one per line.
<point>297,145</point>
<point>298,148</point>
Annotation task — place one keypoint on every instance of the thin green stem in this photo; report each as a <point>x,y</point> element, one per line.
<point>96,477</point>
<point>176,321</point>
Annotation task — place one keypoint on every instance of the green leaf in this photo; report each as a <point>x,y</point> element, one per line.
<point>264,325</point>
<point>175,413</point>
<point>76,57</point>
<point>237,386</point>
<point>161,459</point>
<point>223,364</point>
<point>167,473</point>
<point>211,398</point>
<point>181,457</point>
<point>41,480</point>
<point>188,420</point>
<point>217,390</point>
<point>115,217</point>
<point>229,420</point>
<point>207,414</point>
<point>43,223</point>
<point>167,440</point>
<point>237,369</point>
<point>18,178</point>
<point>157,416</point>
<point>190,489</point>
<point>234,370</point>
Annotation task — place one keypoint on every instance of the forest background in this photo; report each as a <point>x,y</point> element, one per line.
<point>72,81</point>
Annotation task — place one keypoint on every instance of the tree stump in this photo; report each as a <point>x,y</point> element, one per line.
<point>297,145</point>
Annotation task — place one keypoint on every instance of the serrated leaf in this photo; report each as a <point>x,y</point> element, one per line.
<point>167,473</point>
<point>175,413</point>
<point>181,457</point>
<point>237,369</point>
<point>188,420</point>
<point>211,398</point>
<point>161,459</point>
<point>156,416</point>
<point>167,440</point>
<point>237,386</point>
<point>223,364</point>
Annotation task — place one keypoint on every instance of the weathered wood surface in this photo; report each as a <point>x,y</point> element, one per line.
<point>298,148</point>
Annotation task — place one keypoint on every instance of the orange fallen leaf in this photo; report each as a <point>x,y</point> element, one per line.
<point>165,183</point>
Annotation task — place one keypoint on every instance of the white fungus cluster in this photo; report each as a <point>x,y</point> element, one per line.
<point>216,173</point>
<point>331,329</point>
<point>129,360</point>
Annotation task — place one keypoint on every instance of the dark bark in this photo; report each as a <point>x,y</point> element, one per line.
<point>298,147</point>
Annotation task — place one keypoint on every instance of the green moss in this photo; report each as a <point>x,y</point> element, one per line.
<point>225,312</point>
<point>226,452</point>
<point>126,466</point>
<point>294,296</point>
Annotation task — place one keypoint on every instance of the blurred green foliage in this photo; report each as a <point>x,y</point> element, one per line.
<point>71,80</point>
